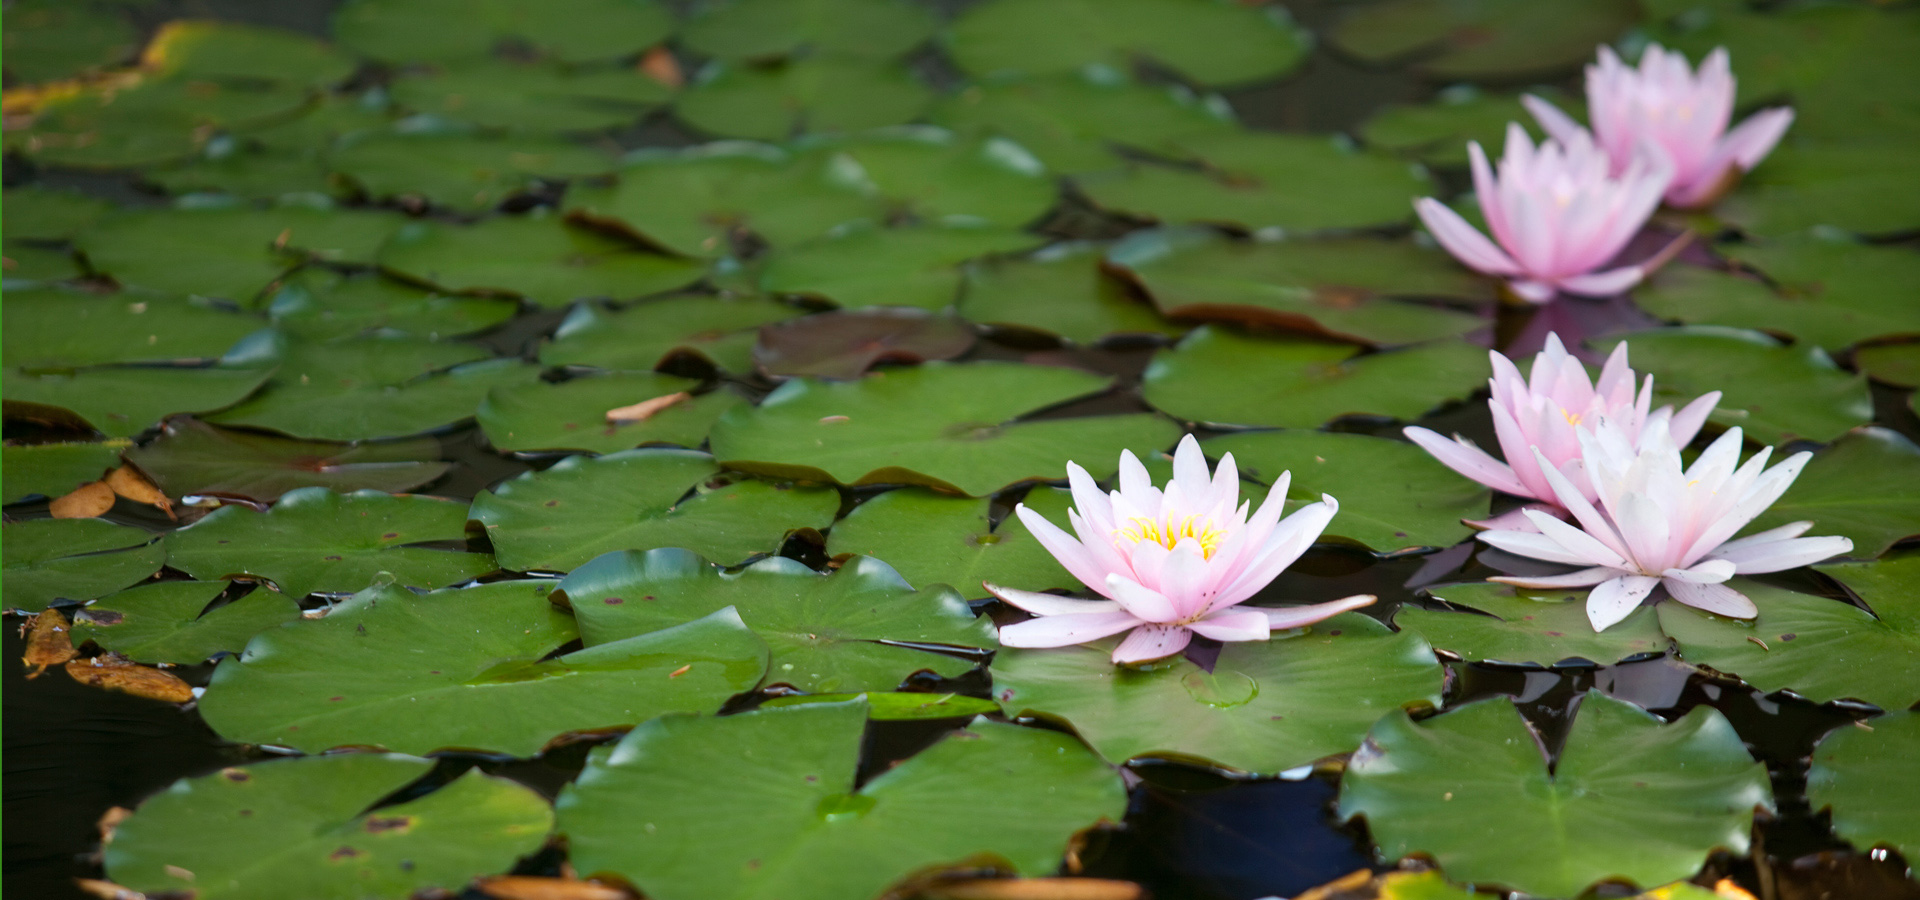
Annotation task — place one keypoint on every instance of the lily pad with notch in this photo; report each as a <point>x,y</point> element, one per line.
<point>540,258</point>
<point>1062,289</point>
<point>1865,774</point>
<point>1775,393</point>
<point>168,621</point>
<point>931,538</point>
<point>49,560</point>
<point>1208,42</point>
<point>916,267</point>
<point>193,457</point>
<point>1073,122</point>
<point>819,94</point>
<point>440,31</point>
<point>1864,486</point>
<point>577,414</point>
<point>1501,624</point>
<point>645,335</point>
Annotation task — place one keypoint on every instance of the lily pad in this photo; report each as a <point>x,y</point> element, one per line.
<point>1775,393</point>
<point>322,305</point>
<point>1820,648</point>
<point>759,29</point>
<point>862,627</point>
<point>1529,627</point>
<point>845,344</point>
<point>696,201</point>
<point>646,334</point>
<point>1209,42</point>
<point>572,415</point>
<point>817,94</point>
<point>50,214</point>
<point>918,267</point>
<point>1895,364</point>
<point>51,470</point>
<point>1061,290</point>
<point>1338,288</point>
<point>539,258</point>
<point>1860,186</point>
<point>1437,133</point>
<point>943,425</point>
<point>143,119</point>
<point>1833,294</point>
<point>1266,707</point>
<point>1437,787</point>
<point>467,669</point>
<point>163,622</point>
<point>1217,376</point>
<point>317,540</point>
<point>462,30</point>
<point>51,328</point>
<point>931,175</point>
<point>1482,39</point>
<point>1865,775</point>
<point>1866,486</point>
<point>1072,122</point>
<point>1393,495</point>
<point>931,538</point>
<point>782,818</point>
<point>48,39</point>
<point>122,401</point>
<point>582,507</point>
<point>533,97</point>
<point>192,457</point>
<point>215,50</point>
<point>1251,181</point>
<point>228,253</point>
<point>253,830</point>
<point>463,172</point>
<point>74,559</point>
<point>888,706</point>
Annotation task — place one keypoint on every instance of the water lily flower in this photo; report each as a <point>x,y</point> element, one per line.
<point>1546,413</point>
<point>1172,563</point>
<point>1558,212</point>
<point>1681,112</point>
<point>1659,525</point>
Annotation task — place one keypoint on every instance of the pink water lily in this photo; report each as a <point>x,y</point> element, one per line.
<point>1172,563</point>
<point>1558,212</point>
<point>1683,113</point>
<point>1658,524</point>
<point>1546,413</point>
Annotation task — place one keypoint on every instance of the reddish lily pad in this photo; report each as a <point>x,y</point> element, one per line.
<point>845,344</point>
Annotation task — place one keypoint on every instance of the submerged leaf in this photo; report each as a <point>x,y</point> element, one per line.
<point>192,457</point>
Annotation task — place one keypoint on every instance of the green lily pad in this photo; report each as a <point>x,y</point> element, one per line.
<point>1866,487</point>
<point>1528,627</point>
<point>1211,43</point>
<point>192,457</point>
<point>253,830</point>
<point>783,819</point>
<point>533,97</point>
<point>1895,364</point>
<point>48,39</point>
<point>1866,776</point>
<point>145,120</point>
<point>647,334</point>
<point>1251,181</point>
<point>162,623</point>
<point>51,470</point>
<point>1338,288</point>
<point>1061,290</point>
<point>1436,788</point>
<point>1267,706</point>
<point>1862,187</point>
<point>559,518</point>
<point>759,29</point>
<point>463,172</point>
<point>51,328</point>
<point>208,49</point>
<point>465,30</point>
<point>1774,393</point>
<point>48,214</point>
<point>930,538</point>
<point>918,267</point>
<point>1437,133</point>
<point>844,344</point>
<point>1220,377</point>
<point>536,257</point>
<point>931,175</point>
<point>943,425</point>
<point>1819,648</point>
<point>74,559</point>
<point>695,201</point>
<point>122,401</point>
<point>225,167</point>
<point>468,669</point>
<point>1393,495</point>
<point>862,627</point>
<point>815,94</point>
<point>228,253</point>
<point>317,540</point>
<point>888,706</point>
<point>25,262</point>
<point>1834,294</point>
<point>1072,122</point>
<point>322,305</point>
<point>1491,39</point>
<point>572,415</point>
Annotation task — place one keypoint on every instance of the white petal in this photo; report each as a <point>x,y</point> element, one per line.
<point>1709,571</point>
<point>1071,553</point>
<point>1614,600</point>
<point>1468,460</point>
<point>1714,598</point>
<point>1144,604</point>
<point>1779,556</point>
<point>1063,631</point>
<point>1149,642</point>
<point>1236,623</point>
<point>1049,604</point>
<point>1577,541</point>
<point>1535,546</point>
<point>1582,578</point>
<point>1282,618</point>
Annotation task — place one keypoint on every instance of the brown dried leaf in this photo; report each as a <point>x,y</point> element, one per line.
<point>85,502</point>
<point>49,641</point>
<point>659,65</point>
<point>128,482</point>
<point>118,674</point>
<point>110,822</point>
<point>646,409</point>
<point>528,887</point>
<point>1034,889</point>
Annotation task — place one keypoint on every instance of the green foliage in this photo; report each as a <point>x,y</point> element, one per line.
<point>1865,774</point>
<point>74,559</point>
<point>168,621</point>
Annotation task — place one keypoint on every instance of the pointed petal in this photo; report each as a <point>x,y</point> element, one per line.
<point>1577,541</point>
<point>1190,471</point>
<point>1614,600</point>
<point>1581,578</point>
<point>1711,571</point>
<point>1714,598</point>
<point>1603,284</point>
<point>1049,604</point>
<point>1779,556</point>
<point>1686,423</point>
<point>1558,125</point>
<point>1462,240</point>
<point>1290,538</point>
<point>1750,141</point>
<point>1532,291</point>
<point>1535,546</point>
<point>1063,631</point>
<point>1236,623</point>
<point>1467,459</point>
<point>1282,618</point>
<point>1072,555</point>
<point>1149,642</point>
<point>1145,605</point>
<point>1789,530</point>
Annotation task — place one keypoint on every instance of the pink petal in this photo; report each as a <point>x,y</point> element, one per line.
<point>1535,546</point>
<point>1071,554</point>
<point>1514,519</point>
<point>1235,624</point>
<point>1190,471</point>
<point>1603,284</point>
<point>1468,460</point>
<point>1049,604</point>
<point>1185,579</point>
<point>1779,556</point>
<point>1142,603</point>
<point>1462,240</point>
<point>1560,126</point>
<point>1290,538</point>
<point>1712,571</point>
<point>1686,423</point>
<point>1281,618</point>
<point>1714,598</point>
<point>1150,642</point>
<point>1577,541</point>
<point>1581,578</point>
<point>1063,631</point>
<point>1614,600</point>
<point>1532,291</point>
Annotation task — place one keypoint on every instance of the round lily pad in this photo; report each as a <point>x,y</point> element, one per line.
<point>1866,187</point>
<point>1503,624</point>
<point>582,507</point>
<point>818,94</point>
<point>539,258</point>
<point>1473,790</point>
<point>48,39</point>
<point>461,30</point>
<point>192,457</point>
<point>1061,290</point>
<point>51,470</point>
<point>1866,487</point>
<point>52,328</point>
<point>143,120</point>
<point>845,344</point>
<point>1220,377</point>
<point>1866,775</point>
<point>931,538</point>
<point>213,50</point>
<point>944,425</point>
<point>1393,495</point>
<point>1774,393</point>
<point>50,214</point>
<point>227,253</point>
<point>532,97</point>
<point>467,669</point>
<point>123,401</point>
<point>917,267</point>
<point>1073,122</point>
<point>163,622</point>
<point>1338,288</point>
<point>1437,132</point>
<point>862,627</point>
<point>575,414</point>
<point>932,175</point>
<point>1895,364</point>
<point>1482,39</point>
<point>759,29</point>
<point>1266,706</point>
<point>460,171</point>
<point>1832,294</point>
<point>764,803</point>
<point>253,830</point>
<point>74,559</point>
<point>646,334</point>
<point>317,540</point>
<point>1209,42</point>
<point>319,304</point>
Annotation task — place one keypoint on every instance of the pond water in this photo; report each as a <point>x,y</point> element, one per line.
<point>362,300</point>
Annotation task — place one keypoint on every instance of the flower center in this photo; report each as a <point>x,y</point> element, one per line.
<point>1169,532</point>
<point>1573,418</point>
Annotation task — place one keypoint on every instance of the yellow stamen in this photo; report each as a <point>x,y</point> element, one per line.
<point>1169,533</point>
<point>1572,418</point>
